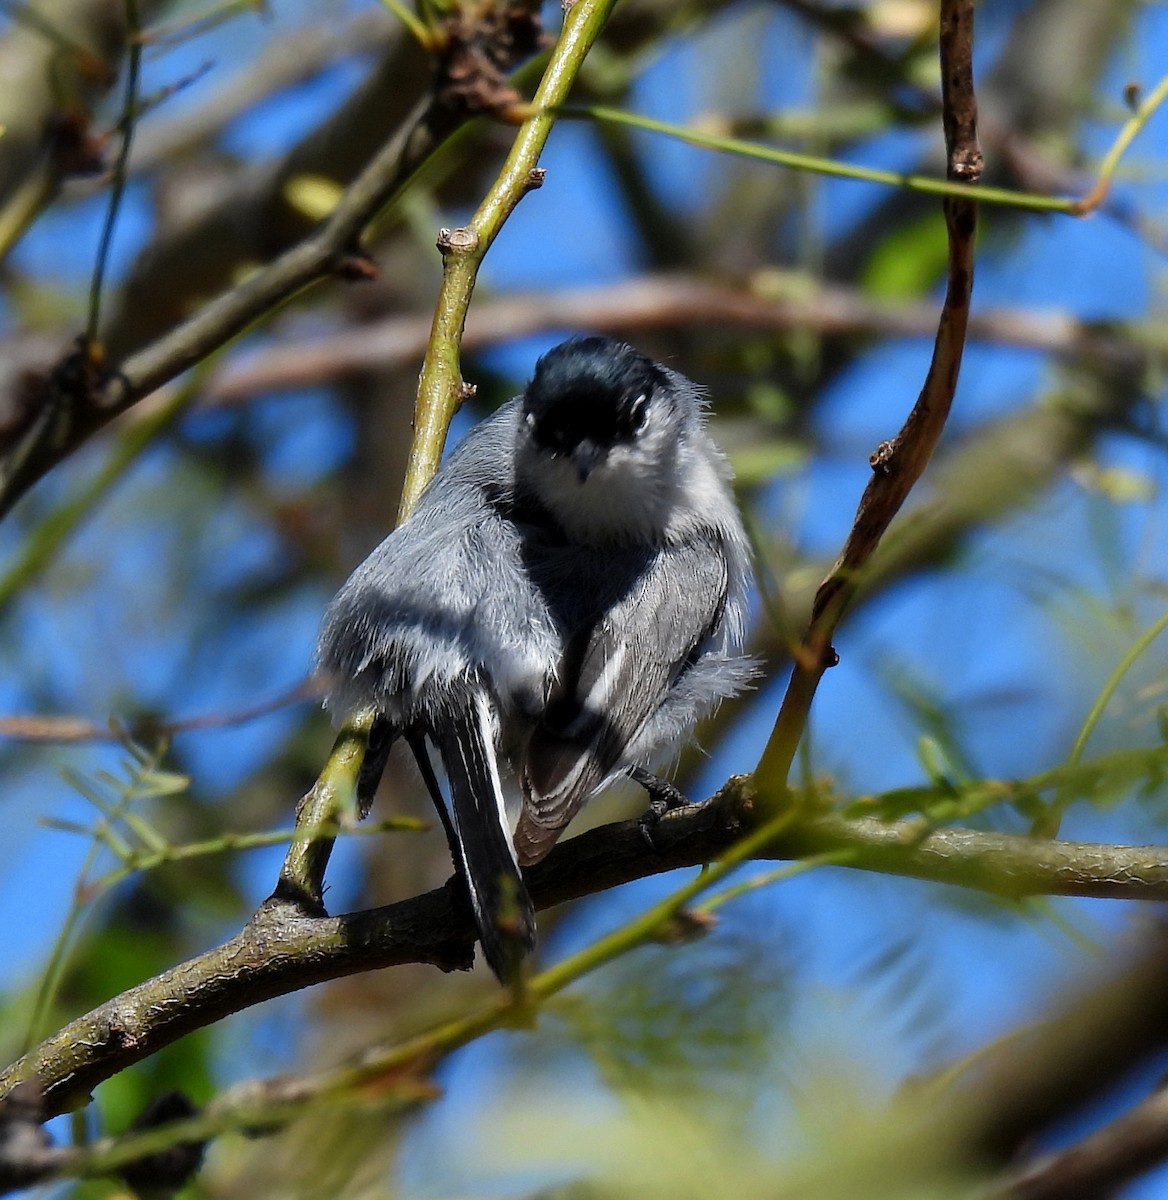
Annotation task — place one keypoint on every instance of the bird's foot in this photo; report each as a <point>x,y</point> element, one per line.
<point>663,798</point>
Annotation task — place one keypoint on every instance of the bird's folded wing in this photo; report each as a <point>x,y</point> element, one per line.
<point>614,675</point>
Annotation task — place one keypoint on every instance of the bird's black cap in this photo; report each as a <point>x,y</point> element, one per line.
<point>590,390</point>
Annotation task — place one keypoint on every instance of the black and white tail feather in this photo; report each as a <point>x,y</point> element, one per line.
<point>474,816</point>
<point>503,912</point>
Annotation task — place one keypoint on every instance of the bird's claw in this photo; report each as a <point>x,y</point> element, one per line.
<point>663,798</point>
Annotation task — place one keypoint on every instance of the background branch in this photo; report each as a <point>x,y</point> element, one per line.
<point>670,302</point>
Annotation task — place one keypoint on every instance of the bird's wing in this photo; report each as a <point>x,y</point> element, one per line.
<point>615,673</point>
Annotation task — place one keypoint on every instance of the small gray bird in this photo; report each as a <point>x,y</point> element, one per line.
<point>567,599</point>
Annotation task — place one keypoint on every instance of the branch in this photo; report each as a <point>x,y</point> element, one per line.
<point>283,949</point>
<point>1102,1162</point>
<point>655,302</point>
<point>75,412</point>
<point>898,464</point>
<point>82,395</point>
<point>441,389</point>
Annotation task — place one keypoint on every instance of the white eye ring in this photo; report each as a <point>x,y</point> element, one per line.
<point>639,410</point>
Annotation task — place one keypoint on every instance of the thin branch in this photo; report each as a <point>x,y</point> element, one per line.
<point>817,165</point>
<point>1145,110</point>
<point>283,950</point>
<point>661,302</point>
<point>1095,1167</point>
<point>41,544</point>
<point>441,389</point>
<point>897,465</point>
<point>142,730</point>
<point>117,188</point>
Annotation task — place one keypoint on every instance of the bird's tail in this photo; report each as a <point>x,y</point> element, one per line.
<point>380,740</point>
<point>502,907</point>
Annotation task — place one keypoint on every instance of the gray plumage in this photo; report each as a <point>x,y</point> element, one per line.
<point>569,594</point>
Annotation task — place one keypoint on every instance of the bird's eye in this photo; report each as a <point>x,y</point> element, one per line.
<point>639,410</point>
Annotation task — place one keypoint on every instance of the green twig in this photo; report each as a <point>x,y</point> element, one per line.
<point>1124,665</point>
<point>231,843</point>
<point>440,390</point>
<point>1127,134</point>
<point>1047,823</point>
<point>323,807</point>
<point>823,166</point>
<point>55,967</point>
<point>422,33</point>
<point>835,858</point>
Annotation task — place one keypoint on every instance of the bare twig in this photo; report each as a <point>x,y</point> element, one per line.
<point>898,464</point>
<point>128,123</point>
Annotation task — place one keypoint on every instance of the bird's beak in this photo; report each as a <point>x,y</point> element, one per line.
<point>586,456</point>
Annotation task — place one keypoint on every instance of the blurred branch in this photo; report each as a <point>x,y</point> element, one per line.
<point>127,124</point>
<point>667,301</point>
<point>1100,1163</point>
<point>80,397</point>
<point>898,464</point>
<point>155,851</point>
<point>282,950</point>
<point>42,543</point>
<point>285,61</point>
<point>142,730</point>
<point>57,61</point>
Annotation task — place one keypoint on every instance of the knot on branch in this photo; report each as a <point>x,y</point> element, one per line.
<point>38,419</point>
<point>967,165</point>
<point>460,240</point>
<point>479,48</point>
<point>880,460</point>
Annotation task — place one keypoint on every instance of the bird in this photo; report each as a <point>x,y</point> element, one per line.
<point>567,599</point>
